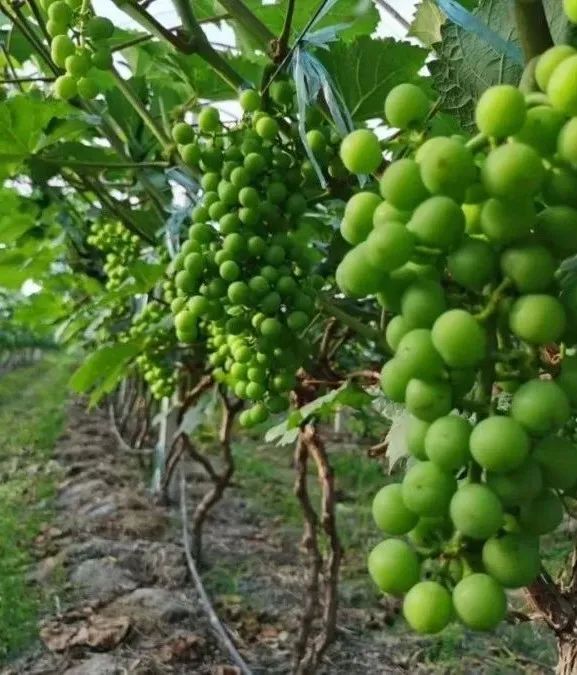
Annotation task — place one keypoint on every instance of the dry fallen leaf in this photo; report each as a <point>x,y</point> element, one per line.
<point>97,632</point>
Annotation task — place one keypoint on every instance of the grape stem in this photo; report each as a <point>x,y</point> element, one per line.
<point>493,302</point>
<point>352,322</point>
<point>532,27</point>
<point>478,142</point>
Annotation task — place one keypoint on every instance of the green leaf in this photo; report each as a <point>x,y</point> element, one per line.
<point>104,369</point>
<point>367,69</point>
<point>466,65</point>
<point>145,275</point>
<point>427,22</point>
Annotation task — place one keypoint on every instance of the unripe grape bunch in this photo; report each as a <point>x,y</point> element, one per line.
<point>120,247</point>
<point>78,45</point>
<point>461,243</point>
<point>244,277</point>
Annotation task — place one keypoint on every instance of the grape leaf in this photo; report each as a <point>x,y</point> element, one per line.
<point>427,22</point>
<point>366,69</point>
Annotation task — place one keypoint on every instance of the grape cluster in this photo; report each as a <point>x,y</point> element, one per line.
<point>156,361</point>
<point>121,248</point>
<point>81,58</point>
<point>462,246</point>
<point>244,276</point>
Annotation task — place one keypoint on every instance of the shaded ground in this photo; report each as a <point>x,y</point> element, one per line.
<point>120,598</point>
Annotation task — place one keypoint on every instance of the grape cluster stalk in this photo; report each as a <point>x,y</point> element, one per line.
<point>463,243</point>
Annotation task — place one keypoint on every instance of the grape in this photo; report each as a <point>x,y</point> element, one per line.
<point>473,264</point>
<point>513,560</point>
<point>476,511</point>
<point>570,9</point>
<point>183,133</point>
<point>395,376</point>
<point>567,378</point>
<point>355,277</point>
<point>402,186</point>
<point>540,406</point>
<point>361,152</point>
<point>394,566</point>
<point>65,87</point>
<point>386,212</point>
<point>60,12</point>
<point>517,486</point>
<point>267,127</point>
<point>77,64</point>
<point>438,222</point>
<point>447,167</point>
<point>513,169</point>
<point>208,119</point>
<point>506,220</point>
<point>87,88</point>
<point>249,100</point>
<point>416,435</point>
<point>542,515</point>
<point>541,129</point>
<point>447,442</point>
<point>396,329</point>
<point>537,319</point>
<point>530,267</point>
<point>99,28</point>
<point>427,490</point>
<point>567,142</point>
<point>389,247</point>
<point>480,602</point>
<point>557,457</point>
<point>499,444</point>
<point>472,213</point>
<point>422,303</point>
<point>428,400</point>
<point>548,62</point>
<point>428,607</point>
<point>557,228</point>
<point>500,111</point>
<point>459,339</point>
<point>390,513</point>
<point>53,28</point>
<point>281,92</point>
<point>417,353</point>
<point>358,217</point>
<point>560,187</point>
<point>61,48</point>
<point>406,106</point>
<point>560,87</point>
<point>102,58</point>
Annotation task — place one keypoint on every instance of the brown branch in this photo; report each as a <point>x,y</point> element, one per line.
<point>311,545</point>
<point>217,625</point>
<point>532,27</point>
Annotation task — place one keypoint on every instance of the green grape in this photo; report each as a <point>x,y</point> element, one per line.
<point>556,227</point>
<point>394,566</point>
<point>428,607</point>
<point>53,28</point>
<point>548,62</point>
<point>395,376</point>
<point>520,485</point>
<point>390,246</point>
<point>282,92</point>
<point>183,133</point>
<point>61,48</point>
<point>355,277</point>
<point>541,406</point>
<point>531,267</point>
<point>360,151</point>
<point>447,167</point>
<point>60,12</point>
<point>427,490</point>
<point>358,217</point>
<point>390,513</point>
<point>401,185</point>
<point>500,112</point>
<point>438,223</point>
<point>406,106</point>
<point>505,220</point>
<point>208,120</point>
<point>459,339</point>
<point>87,88</point>
<point>560,187</point>
<point>513,169</point>
<point>238,293</point>
<point>541,129</point>
<point>191,154</point>
<point>396,329</point>
<point>570,9</point>
<point>560,87</point>
<point>99,28</point>
<point>416,435</point>
<point>429,532</point>
<point>567,142</point>
<point>422,303</point>
<point>386,212</point>
<point>472,213</point>
<point>65,87</point>
<point>567,378</point>
<point>418,355</point>
<point>229,270</point>
<point>557,457</point>
<point>476,511</point>
<point>267,127</point>
<point>513,559</point>
<point>250,100</point>
<point>77,64</point>
<point>447,442</point>
<point>537,319</point>
<point>480,602</point>
<point>473,265</point>
<point>499,444</point>
<point>102,58</point>
<point>428,400</point>
<point>541,515</point>
<point>317,142</point>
